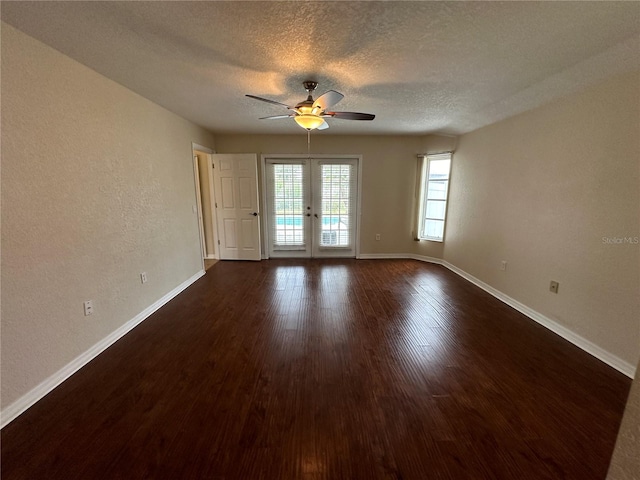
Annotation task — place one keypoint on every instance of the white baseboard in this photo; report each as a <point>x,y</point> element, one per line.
<point>586,345</point>
<point>10,413</point>
<point>581,342</point>
<point>411,256</point>
<point>212,256</point>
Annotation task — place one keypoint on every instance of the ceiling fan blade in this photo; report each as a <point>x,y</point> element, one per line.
<point>324,126</point>
<point>327,100</point>
<point>273,117</point>
<point>267,100</point>
<point>351,115</point>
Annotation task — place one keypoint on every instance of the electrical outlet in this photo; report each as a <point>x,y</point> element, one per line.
<point>143,277</point>
<point>88,307</point>
<point>377,236</point>
<point>503,265</point>
<point>553,286</point>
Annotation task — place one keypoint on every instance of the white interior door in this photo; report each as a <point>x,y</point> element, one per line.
<point>237,209</point>
<point>312,207</point>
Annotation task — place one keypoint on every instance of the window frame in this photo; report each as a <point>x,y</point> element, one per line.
<point>423,199</point>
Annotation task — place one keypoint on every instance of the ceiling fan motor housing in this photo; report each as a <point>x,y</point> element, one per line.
<point>305,106</point>
<point>310,86</point>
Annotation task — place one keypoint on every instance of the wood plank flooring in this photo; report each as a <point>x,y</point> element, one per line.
<point>327,369</point>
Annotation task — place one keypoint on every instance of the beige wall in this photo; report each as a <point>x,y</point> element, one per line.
<point>541,190</point>
<point>439,143</point>
<point>388,179</point>
<point>97,186</point>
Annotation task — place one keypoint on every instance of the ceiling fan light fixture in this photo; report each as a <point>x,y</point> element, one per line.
<point>310,113</point>
<point>308,122</point>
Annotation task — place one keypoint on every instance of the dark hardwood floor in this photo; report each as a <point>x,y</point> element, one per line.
<point>327,369</point>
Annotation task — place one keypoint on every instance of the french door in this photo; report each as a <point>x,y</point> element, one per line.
<point>311,206</point>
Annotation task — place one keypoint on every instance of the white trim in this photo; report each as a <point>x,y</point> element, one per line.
<point>212,256</point>
<point>196,173</point>
<point>214,210</point>
<point>10,413</point>
<point>591,348</point>
<point>359,207</point>
<point>322,156</point>
<point>265,208</point>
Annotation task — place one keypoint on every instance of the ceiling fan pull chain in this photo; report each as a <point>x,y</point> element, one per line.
<point>309,144</point>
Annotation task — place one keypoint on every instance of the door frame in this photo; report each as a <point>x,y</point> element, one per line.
<point>195,149</point>
<point>295,156</point>
<point>196,171</point>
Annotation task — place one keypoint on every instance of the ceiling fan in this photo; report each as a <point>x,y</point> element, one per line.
<point>310,114</point>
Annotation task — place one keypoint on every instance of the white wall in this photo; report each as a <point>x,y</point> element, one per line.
<point>97,186</point>
<point>541,190</point>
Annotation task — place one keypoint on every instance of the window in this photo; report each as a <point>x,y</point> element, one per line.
<point>434,187</point>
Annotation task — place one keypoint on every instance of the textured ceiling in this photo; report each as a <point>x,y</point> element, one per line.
<point>421,67</point>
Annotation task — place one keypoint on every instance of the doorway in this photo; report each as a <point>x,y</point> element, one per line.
<point>203,176</point>
<point>312,206</point>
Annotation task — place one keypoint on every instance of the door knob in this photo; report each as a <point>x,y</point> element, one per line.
<point>254,214</point>
<point>315,215</point>
<point>308,215</point>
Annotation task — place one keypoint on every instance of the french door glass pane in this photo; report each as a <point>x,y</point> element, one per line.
<point>336,205</point>
<point>288,205</point>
